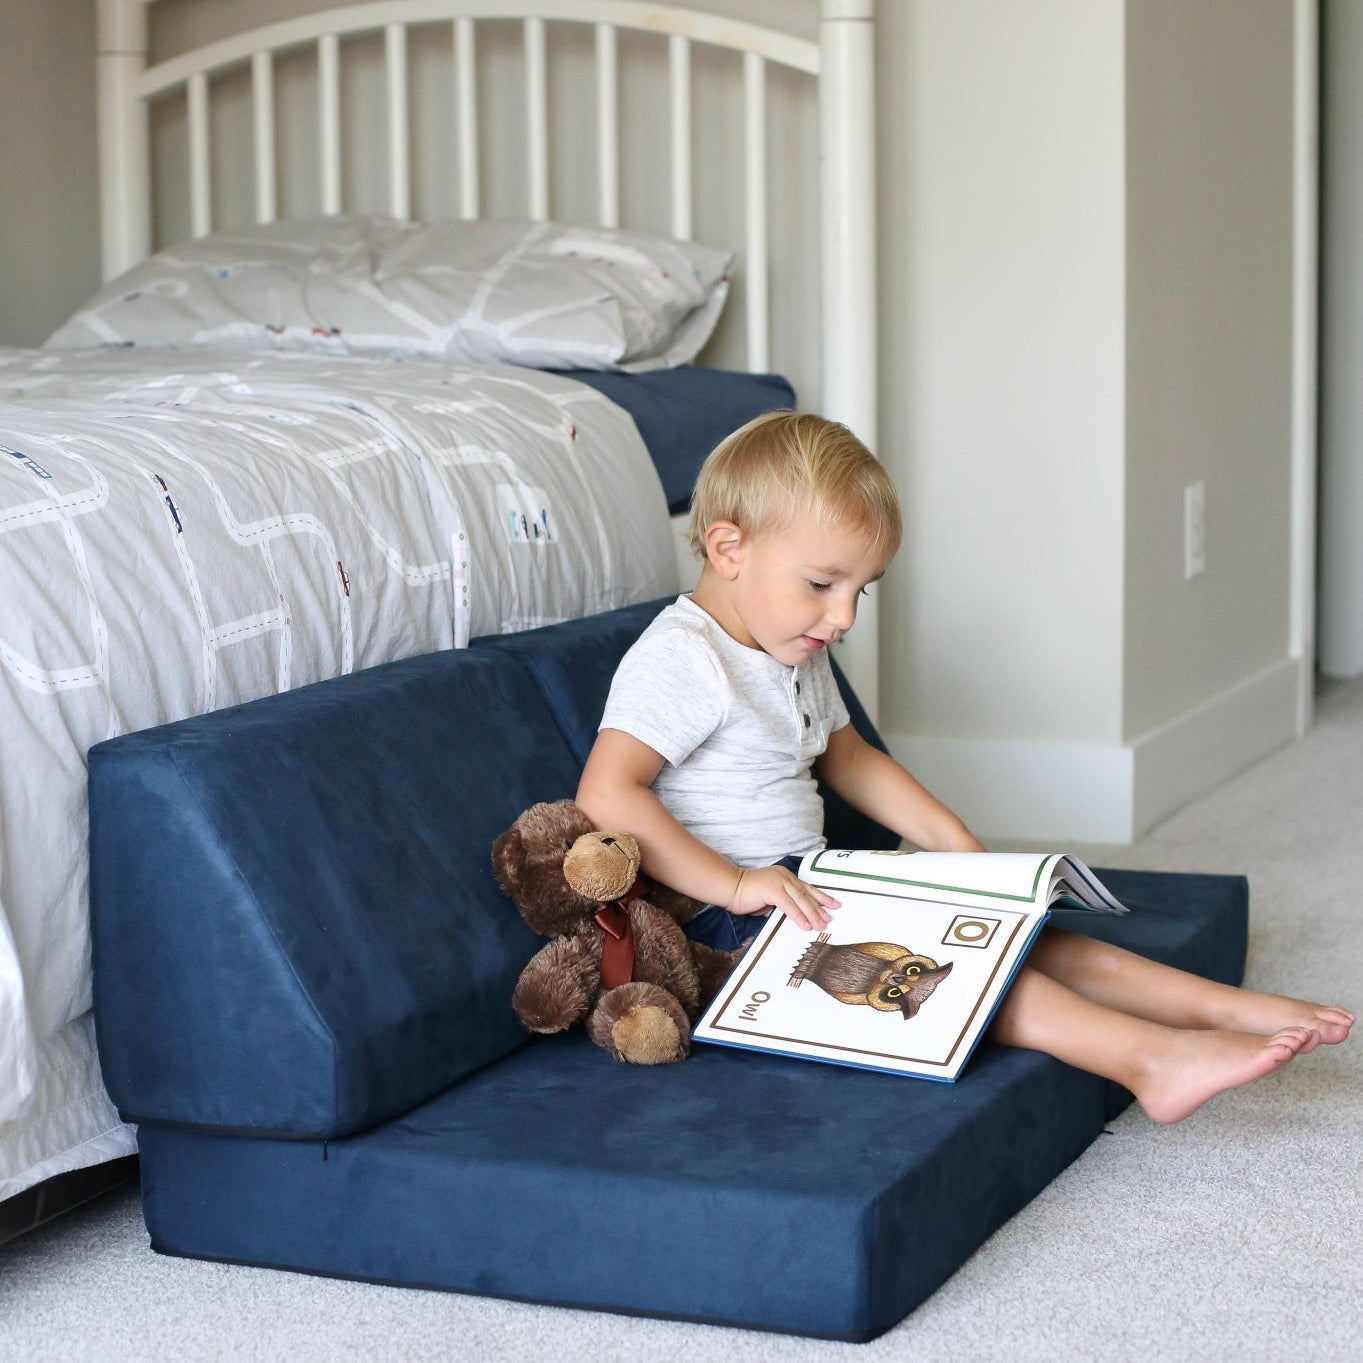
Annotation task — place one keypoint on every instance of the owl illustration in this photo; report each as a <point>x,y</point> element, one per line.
<point>888,977</point>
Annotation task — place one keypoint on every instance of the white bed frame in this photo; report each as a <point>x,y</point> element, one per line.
<point>841,63</point>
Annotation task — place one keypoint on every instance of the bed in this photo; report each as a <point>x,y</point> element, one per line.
<point>190,518</point>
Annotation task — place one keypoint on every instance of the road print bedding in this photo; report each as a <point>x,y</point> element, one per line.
<point>181,532</point>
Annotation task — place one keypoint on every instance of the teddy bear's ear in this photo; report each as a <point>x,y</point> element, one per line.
<point>507,860</point>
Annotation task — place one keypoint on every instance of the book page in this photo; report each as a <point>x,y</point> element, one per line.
<point>1075,886</point>
<point>1040,878</point>
<point>956,877</point>
<point>898,984</point>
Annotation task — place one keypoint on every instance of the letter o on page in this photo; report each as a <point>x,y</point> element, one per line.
<point>971,930</point>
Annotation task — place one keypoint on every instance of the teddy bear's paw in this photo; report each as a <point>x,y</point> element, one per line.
<point>556,988</point>
<point>648,1036</point>
<point>641,1024</point>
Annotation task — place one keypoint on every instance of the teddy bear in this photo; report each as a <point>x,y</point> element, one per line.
<point>581,888</point>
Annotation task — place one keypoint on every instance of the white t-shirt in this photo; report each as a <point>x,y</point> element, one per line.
<point>739,731</point>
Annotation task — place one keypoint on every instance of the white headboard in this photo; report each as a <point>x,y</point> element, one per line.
<point>841,62</point>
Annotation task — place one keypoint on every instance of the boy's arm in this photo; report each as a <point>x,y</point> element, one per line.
<point>615,794</point>
<point>878,786</point>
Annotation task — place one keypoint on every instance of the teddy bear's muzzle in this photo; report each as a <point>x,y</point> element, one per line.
<point>602,866</point>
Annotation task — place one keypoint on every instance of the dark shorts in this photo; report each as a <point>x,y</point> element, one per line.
<point>717,927</point>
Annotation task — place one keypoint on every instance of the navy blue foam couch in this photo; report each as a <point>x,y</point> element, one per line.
<point>303,970</point>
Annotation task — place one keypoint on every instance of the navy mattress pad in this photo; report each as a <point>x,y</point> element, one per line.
<point>682,414</point>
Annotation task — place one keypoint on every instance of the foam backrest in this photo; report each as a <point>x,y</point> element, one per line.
<point>573,665</point>
<point>296,928</point>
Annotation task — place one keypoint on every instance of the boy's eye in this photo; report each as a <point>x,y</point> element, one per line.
<point>819,586</point>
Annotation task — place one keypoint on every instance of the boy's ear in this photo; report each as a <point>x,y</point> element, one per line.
<point>724,543</point>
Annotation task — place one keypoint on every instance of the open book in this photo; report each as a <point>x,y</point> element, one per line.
<point>910,970</point>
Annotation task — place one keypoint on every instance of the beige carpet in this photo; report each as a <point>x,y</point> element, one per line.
<point>1234,1236</point>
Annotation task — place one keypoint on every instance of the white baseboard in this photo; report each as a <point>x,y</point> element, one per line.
<point>1059,793</point>
<point>1202,749</point>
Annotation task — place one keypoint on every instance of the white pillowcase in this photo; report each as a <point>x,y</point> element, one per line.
<point>540,294</point>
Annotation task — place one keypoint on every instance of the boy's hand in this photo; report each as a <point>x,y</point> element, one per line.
<point>773,887</point>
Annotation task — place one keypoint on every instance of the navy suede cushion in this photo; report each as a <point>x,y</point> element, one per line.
<point>573,664</point>
<point>682,414</point>
<point>734,1187</point>
<point>296,927</point>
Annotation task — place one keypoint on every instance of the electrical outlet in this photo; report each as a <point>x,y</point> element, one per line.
<point>1194,529</point>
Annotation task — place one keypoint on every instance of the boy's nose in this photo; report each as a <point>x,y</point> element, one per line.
<point>842,615</point>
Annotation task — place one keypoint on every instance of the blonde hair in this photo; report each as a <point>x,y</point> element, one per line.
<point>785,463</point>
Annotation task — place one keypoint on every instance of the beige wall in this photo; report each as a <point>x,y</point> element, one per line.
<point>1087,260</point>
<point>1341,416</point>
<point>49,229</point>
<point>1001,180</point>
<point>1209,309</point>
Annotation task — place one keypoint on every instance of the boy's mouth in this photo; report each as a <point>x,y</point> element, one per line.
<point>810,641</point>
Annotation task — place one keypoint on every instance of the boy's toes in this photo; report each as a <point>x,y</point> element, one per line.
<point>1294,1040</point>
<point>1333,1024</point>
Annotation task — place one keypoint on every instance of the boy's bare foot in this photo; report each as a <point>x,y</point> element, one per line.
<point>1193,1066</point>
<point>1267,1014</point>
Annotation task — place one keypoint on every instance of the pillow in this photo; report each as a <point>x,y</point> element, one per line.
<point>540,294</point>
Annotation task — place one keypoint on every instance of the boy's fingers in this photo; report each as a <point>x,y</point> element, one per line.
<point>807,917</point>
<point>821,901</point>
<point>813,892</point>
<point>805,905</point>
<point>793,908</point>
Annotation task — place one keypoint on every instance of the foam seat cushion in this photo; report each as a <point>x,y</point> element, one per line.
<point>735,1187</point>
<point>303,970</point>
<point>295,924</point>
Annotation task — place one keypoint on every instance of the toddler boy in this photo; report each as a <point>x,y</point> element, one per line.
<point>724,709</point>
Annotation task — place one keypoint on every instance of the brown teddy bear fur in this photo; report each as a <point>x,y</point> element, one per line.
<point>559,871</point>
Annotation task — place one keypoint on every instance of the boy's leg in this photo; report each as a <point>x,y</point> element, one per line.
<point>1134,984</point>
<point>1172,1071</point>
<point>716,927</point>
